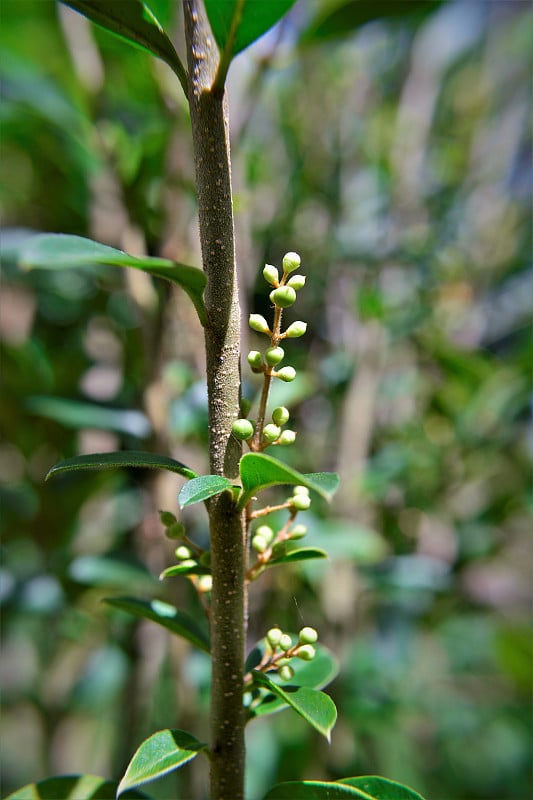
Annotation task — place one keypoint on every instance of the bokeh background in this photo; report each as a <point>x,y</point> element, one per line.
<point>390,144</point>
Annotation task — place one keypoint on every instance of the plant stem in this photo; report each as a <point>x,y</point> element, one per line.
<point>208,111</point>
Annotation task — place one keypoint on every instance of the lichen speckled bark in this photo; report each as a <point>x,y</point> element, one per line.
<point>222,339</point>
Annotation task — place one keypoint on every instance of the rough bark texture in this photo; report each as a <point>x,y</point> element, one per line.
<point>222,339</point>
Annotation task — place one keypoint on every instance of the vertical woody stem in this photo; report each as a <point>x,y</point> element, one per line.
<point>208,111</point>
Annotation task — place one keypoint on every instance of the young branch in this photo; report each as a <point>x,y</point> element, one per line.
<point>208,111</point>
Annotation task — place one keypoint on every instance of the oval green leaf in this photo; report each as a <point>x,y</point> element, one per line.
<point>166,615</point>
<point>236,24</point>
<point>73,414</point>
<point>183,569</point>
<point>289,552</point>
<point>317,708</point>
<point>62,251</point>
<point>381,788</point>
<point>202,488</point>
<point>259,471</point>
<point>134,22</point>
<point>110,572</point>
<point>315,790</point>
<point>73,787</point>
<point>123,458</point>
<point>158,755</point>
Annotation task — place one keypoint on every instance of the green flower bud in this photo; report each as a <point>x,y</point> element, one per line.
<point>205,584</point>
<point>205,559</point>
<point>281,662</point>
<point>242,429</point>
<point>298,531</point>
<point>246,405</point>
<point>286,672</point>
<point>307,635</point>
<point>306,652</point>
<point>271,275</point>
<point>258,323</point>
<point>291,261</point>
<point>296,329</point>
<point>273,636</point>
<point>271,433</point>
<point>296,282</point>
<point>175,531</point>
<point>301,502</point>
<point>259,543</point>
<point>183,553</point>
<point>266,532</point>
<point>255,360</point>
<point>283,297</point>
<point>189,562</point>
<point>286,374</point>
<point>300,490</point>
<point>167,518</point>
<point>287,437</point>
<point>280,415</point>
<point>285,642</point>
<point>274,355</point>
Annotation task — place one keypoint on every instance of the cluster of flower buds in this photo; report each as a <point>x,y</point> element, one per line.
<point>300,500</point>
<point>281,649</point>
<point>282,296</point>
<point>184,553</point>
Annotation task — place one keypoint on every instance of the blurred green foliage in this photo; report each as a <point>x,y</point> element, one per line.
<point>397,161</point>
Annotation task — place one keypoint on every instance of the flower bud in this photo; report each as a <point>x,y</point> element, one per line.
<point>287,437</point>
<point>285,642</point>
<point>296,329</point>
<point>242,429</point>
<point>286,374</point>
<point>271,275</point>
<point>255,360</point>
<point>286,672</point>
<point>274,355</point>
<point>183,553</point>
<point>283,297</point>
<point>281,662</point>
<point>259,543</point>
<point>291,261</point>
<point>280,415</point>
<point>205,584</point>
<point>258,323</point>
<point>296,282</point>
<point>306,652</point>
<point>273,636</point>
<point>189,562</point>
<point>175,531</point>
<point>300,490</point>
<point>271,433</point>
<point>205,558</point>
<point>266,532</point>
<point>301,502</point>
<point>246,405</point>
<point>298,531</point>
<point>167,518</point>
<point>307,635</point>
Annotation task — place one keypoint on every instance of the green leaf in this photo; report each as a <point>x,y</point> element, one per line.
<point>123,458</point>
<point>62,251</point>
<point>202,488</point>
<point>73,787</point>
<point>382,788</point>
<point>236,24</point>
<point>314,790</point>
<point>160,754</point>
<point>317,708</point>
<point>166,615</point>
<point>289,552</point>
<point>72,414</point>
<point>259,471</point>
<point>134,22</point>
<point>343,19</point>
<point>315,674</point>
<point>183,569</point>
